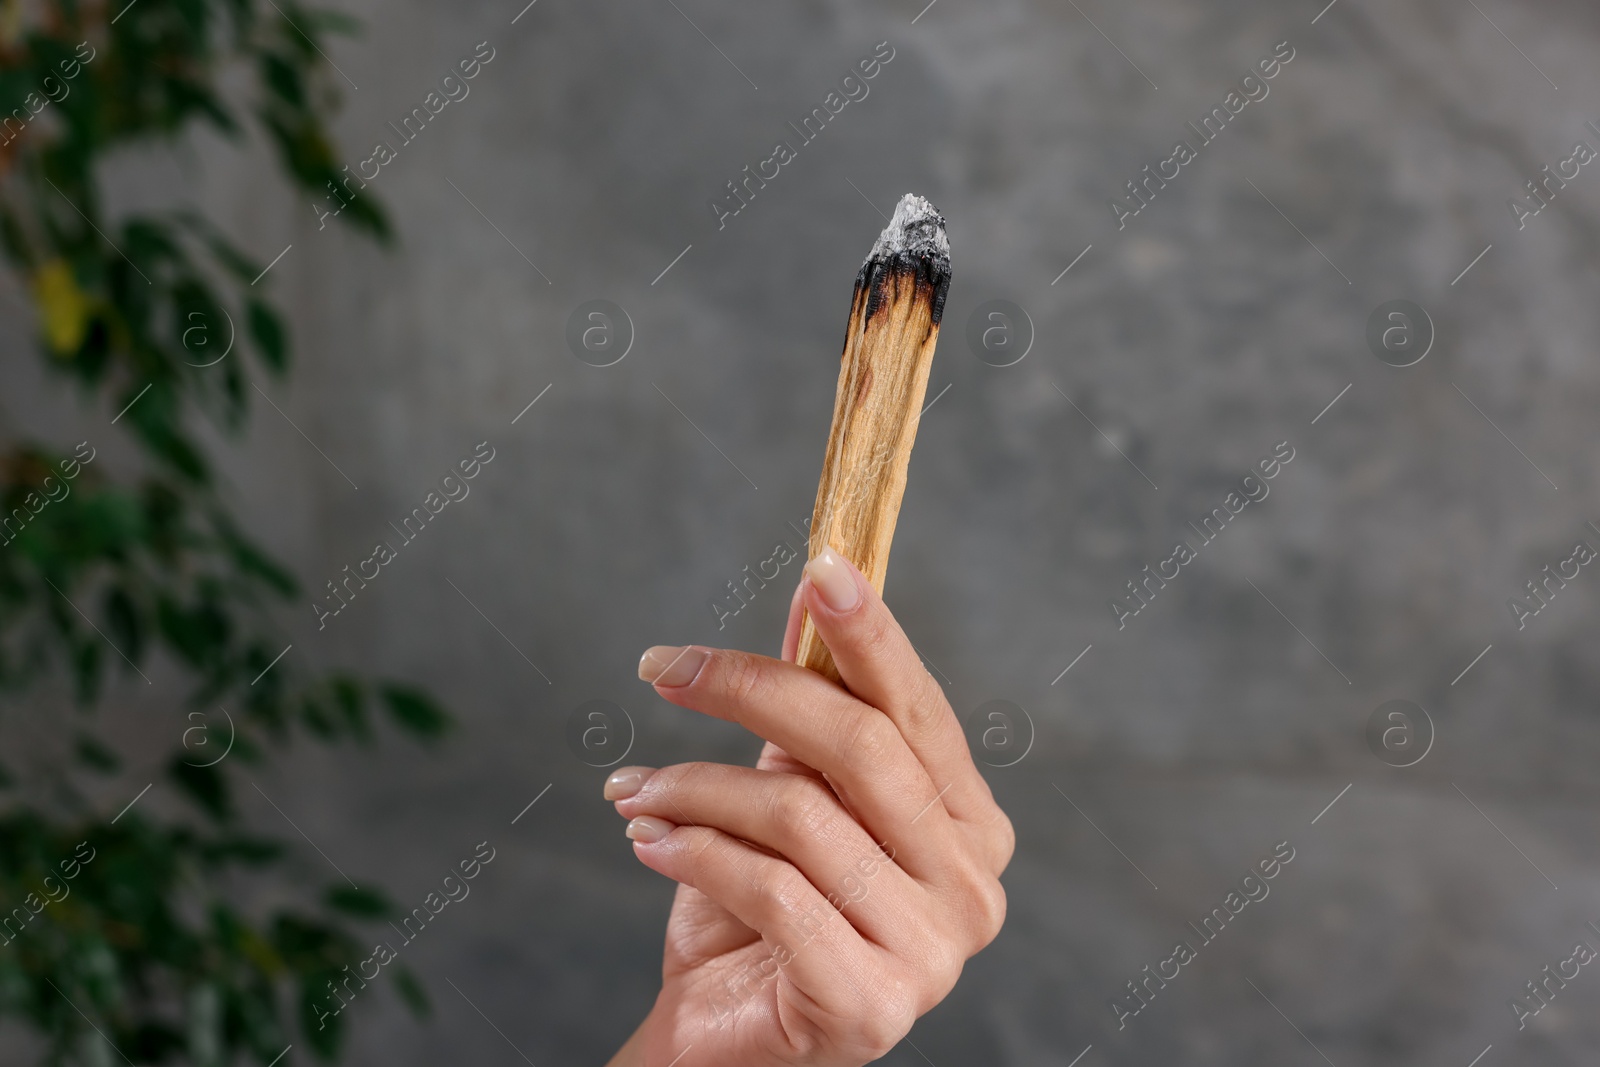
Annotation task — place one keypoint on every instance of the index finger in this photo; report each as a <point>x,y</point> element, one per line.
<point>863,756</point>
<point>879,665</point>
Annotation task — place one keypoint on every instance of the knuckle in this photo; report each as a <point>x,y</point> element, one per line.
<point>878,637</point>
<point>742,677</point>
<point>870,745</point>
<point>926,706</point>
<point>995,910</point>
<point>809,1044</point>
<point>985,905</point>
<point>674,780</point>
<point>778,894</point>
<point>787,900</point>
<point>803,808</point>
<point>883,641</point>
<point>773,884</point>
<point>694,846</point>
<point>945,961</point>
<point>1003,840</point>
<point>888,1018</point>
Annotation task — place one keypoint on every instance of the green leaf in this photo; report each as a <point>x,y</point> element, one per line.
<point>85,657</point>
<point>416,712</point>
<point>199,634</point>
<point>248,851</point>
<point>124,622</point>
<point>149,549</point>
<point>350,699</point>
<point>271,340</point>
<point>411,991</point>
<point>316,718</point>
<point>241,266</point>
<point>283,78</point>
<point>154,419</point>
<point>96,755</point>
<point>323,1028</point>
<point>206,786</point>
<point>255,563</point>
<point>362,903</point>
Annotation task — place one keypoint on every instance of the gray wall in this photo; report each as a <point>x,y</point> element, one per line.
<point>1221,720</point>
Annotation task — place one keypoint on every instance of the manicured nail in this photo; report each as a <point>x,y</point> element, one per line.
<point>832,577</point>
<point>670,665</point>
<point>627,782</point>
<point>647,829</point>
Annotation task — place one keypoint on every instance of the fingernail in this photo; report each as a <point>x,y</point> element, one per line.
<point>670,665</point>
<point>627,782</point>
<point>832,577</point>
<point>647,829</point>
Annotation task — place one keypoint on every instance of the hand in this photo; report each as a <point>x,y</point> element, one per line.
<point>832,894</point>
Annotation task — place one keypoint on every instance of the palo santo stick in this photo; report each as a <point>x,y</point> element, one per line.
<point>883,376</point>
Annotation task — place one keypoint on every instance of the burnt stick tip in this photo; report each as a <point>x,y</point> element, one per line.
<point>915,243</point>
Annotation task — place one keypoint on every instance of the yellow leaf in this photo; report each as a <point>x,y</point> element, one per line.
<point>63,307</point>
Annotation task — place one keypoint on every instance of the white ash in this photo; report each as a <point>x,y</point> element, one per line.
<point>917,229</point>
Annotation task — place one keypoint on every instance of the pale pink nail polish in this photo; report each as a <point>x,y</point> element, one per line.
<point>627,782</point>
<point>836,585</point>
<point>670,665</point>
<point>647,829</point>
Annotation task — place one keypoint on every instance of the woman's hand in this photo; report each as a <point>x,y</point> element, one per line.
<point>830,895</point>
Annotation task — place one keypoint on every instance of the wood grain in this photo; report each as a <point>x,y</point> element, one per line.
<point>883,378</point>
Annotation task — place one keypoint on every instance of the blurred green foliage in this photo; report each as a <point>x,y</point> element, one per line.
<point>140,946</point>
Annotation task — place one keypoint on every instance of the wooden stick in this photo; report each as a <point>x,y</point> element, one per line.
<point>883,376</point>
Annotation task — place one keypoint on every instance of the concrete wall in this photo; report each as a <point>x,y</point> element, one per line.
<point>1216,323</point>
